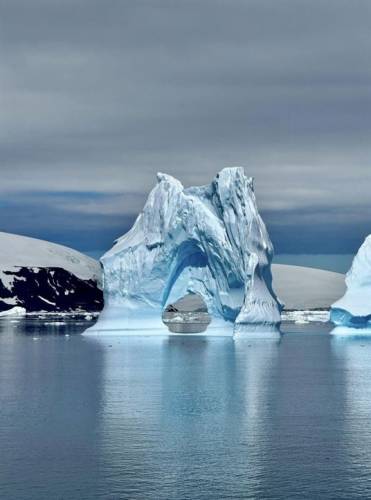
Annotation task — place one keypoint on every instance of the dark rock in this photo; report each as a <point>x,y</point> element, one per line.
<point>49,289</point>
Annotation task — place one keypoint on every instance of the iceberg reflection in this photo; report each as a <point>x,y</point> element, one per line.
<point>353,354</point>
<point>186,401</point>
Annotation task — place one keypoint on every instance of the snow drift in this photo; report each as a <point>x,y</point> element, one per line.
<point>354,308</point>
<point>37,275</point>
<point>207,240</point>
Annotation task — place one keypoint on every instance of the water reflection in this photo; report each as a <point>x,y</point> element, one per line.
<point>186,406</point>
<point>353,354</point>
<point>303,428</point>
<point>183,417</point>
<point>50,400</point>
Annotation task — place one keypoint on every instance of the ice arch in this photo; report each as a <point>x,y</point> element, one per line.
<point>208,240</point>
<point>189,256</point>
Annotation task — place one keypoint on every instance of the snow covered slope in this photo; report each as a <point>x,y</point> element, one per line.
<point>299,288</point>
<point>305,287</point>
<point>354,308</point>
<point>208,240</point>
<point>39,275</point>
<point>22,251</point>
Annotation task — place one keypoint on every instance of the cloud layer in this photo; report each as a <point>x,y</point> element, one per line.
<point>96,97</point>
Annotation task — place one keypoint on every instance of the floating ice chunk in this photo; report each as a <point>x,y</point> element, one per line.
<point>354,308</point>
<point>307,316</point>
<point>345,331</point>
<point>54,323</point>
<point>207,240</point>
<point>14,311</point>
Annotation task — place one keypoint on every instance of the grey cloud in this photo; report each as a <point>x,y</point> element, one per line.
<point>98,96</point>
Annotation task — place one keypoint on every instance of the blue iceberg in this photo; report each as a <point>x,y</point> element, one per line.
<point>353,310</point>
<point>208,240</point>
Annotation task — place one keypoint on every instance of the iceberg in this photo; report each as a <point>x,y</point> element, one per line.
<point>206,240</point>
<point>353,310</point>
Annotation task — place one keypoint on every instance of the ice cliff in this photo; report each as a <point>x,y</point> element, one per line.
<point>209,240</point>
<point>354,308</point>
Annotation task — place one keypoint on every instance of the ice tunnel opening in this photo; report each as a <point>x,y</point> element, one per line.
<point>189,314</point>
<point>189,256</point>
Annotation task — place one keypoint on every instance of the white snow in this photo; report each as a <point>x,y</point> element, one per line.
<point>306,316</point>
<point>7,279</point>
<point>22,251</point>
<point>12,301</point>
<point>299,288</point>
<point>46,300</point>
<point>190,302</point>
<point>305,287</point>
<point>14,311</point>
<point>55,323</point>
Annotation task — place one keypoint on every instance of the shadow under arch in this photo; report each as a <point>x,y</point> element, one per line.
<point>189,255</point>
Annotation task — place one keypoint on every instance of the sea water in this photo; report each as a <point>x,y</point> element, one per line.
<point>182,417</point>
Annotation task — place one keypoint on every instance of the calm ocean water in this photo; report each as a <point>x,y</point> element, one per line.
<point>183,418</point>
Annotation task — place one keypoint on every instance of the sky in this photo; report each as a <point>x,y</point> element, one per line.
<point>97,96</point>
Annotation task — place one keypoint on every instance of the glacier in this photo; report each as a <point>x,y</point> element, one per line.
<point>353,310</point>
<point>206,240</point>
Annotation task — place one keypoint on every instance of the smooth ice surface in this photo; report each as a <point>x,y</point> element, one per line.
<point>182,418</point>
<point>351,331</point>
<point>208,240</point>
<point>354,308</point>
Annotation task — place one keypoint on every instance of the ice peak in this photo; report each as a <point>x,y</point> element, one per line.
<point>233,175</point>
<point>168,179</point>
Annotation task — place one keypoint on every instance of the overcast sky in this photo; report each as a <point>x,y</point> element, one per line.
<point>97,96</point>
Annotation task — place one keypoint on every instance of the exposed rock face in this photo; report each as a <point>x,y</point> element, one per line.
<point>208,240</point>
<point>354,308</point>
<point>51,289</point>
<point>40,276</point>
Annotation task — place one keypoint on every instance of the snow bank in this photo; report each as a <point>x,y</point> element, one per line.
<point>304,288</point>
<point>22,251</point>
<point>14,311</point>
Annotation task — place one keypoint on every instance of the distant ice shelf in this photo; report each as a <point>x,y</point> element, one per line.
<point>346,331</point>
<point>306,316</point>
